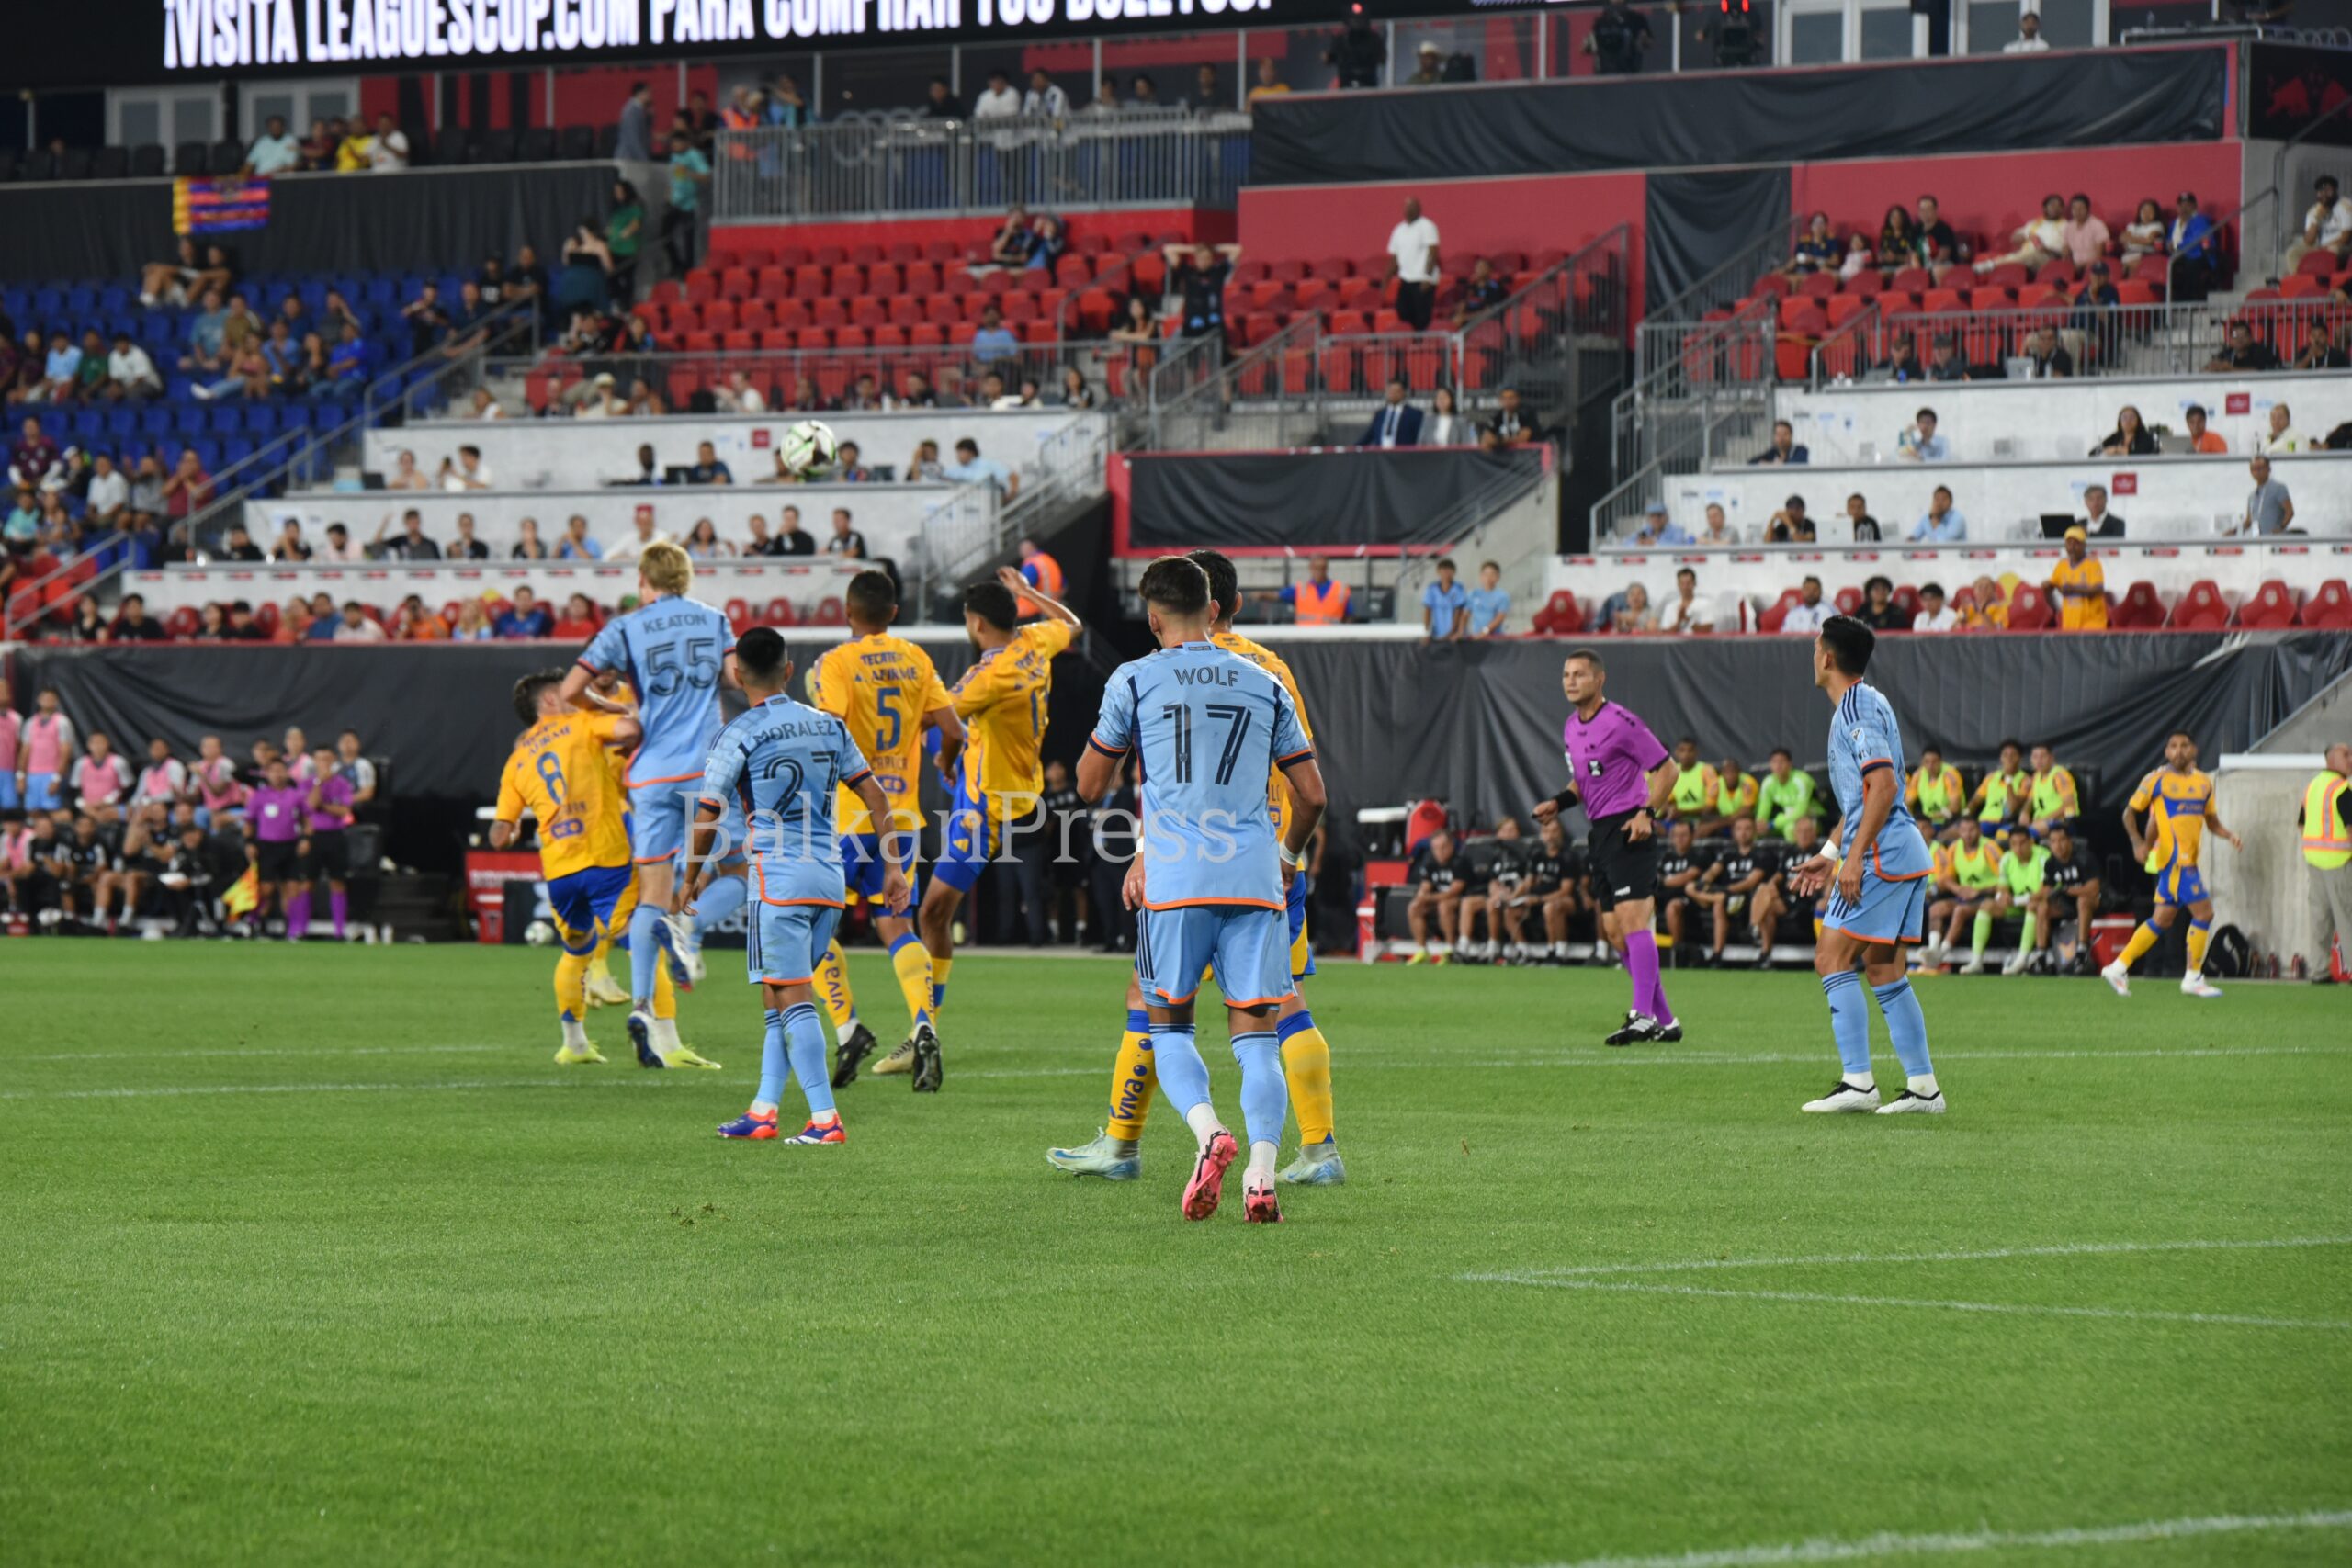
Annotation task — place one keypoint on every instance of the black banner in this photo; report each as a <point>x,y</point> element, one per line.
<point>1330,499</point>
<point>2290,85</point>
<point>1700,221</point>
<point>2077,99</point>
<point>1478,724</point>
<point>424,219</point>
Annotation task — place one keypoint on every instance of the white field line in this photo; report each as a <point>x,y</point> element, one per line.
<point>2065,1249</point>
<point>257,1051</point>
<point>1955,1543</point>
<point>2003,1309</point>
<point>633,1077</point>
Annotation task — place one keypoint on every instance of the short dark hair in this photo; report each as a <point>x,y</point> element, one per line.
<point>2182,733</point>
<point>761,654</point>
<point>1925,413</point>
<point>1687,740</point>
<point>1849,642</point>
<point>1445,563</point>
<point>871,596</point>
<point>1590,657</point>
<point>2014,744</point>
<point>1496,564</point>
<point>1871,583</point>
<point>1225,582</point>
<point>528,690</point>
<point>1176,583</point>
<point>993,604</point>
<point>1935,588</point>
<point>1784,752</point>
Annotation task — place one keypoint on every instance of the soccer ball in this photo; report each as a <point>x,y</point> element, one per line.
<point>538,933</point>
<point>809,444</point>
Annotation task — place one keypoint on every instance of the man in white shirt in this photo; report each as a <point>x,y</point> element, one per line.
<point>2326,227</point>
<point>1044,100</point>
<point>387,149</point>
<point>1806,614</point>
<point>634,546</point>
<point>357,625</point>
<point>1413,263</point>
<point>1934,615</point>
<point>274,151</point>
<point>338,547</point>
<point>109,492</point>
<point>130,373</point>
<point>999,102</point>
<point>2029,39</point>
<point>2282,436</point>
<point>739,396</point>
<point>467,472</point>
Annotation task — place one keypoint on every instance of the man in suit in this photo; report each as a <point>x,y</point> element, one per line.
<point>1396,423</point>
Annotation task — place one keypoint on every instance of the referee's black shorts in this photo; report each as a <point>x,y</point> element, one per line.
<point>277,860</point>
<point>329,857</point>
<point>1625,871</point>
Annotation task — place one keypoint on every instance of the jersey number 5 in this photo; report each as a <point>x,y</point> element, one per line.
<point>666,674</point>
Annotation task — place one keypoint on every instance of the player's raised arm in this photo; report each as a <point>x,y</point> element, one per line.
<point>1022,588</point>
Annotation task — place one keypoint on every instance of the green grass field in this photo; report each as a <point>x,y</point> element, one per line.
<point>315,1257</point>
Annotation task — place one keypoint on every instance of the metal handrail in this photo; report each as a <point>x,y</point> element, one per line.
<point>63,569</point>
<point>1044,361</point>
<point>1523,470</point>
<point>1854,327</point>
<point>2214,239</point>
<point>1733,279</point>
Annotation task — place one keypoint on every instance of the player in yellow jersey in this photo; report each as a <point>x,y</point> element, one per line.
<point>1002,701</point>
<point>885,690</point>
<point>603,990</point>
<point>561,771</point>
<point>2178,800</point>
<point>1307,1055</point>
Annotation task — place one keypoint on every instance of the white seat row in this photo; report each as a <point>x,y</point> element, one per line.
<point>803,583</point>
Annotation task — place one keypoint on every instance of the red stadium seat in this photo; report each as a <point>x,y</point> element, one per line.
<point>738,612</point>
<point>829,613</point>
<point>2329,607</point>
<point>2202,608</point>
<point>2138,610</point>
<point>2028,609</point>
<point>2270,607</point>
<point>777,613</point>
<point>1849,600</point>
<point>1778,609</point>
<point>1818,285</point>
<point>1907,598</point>
<point>183,622</point>
<point>2318,263</point>
<point>1913,280</point>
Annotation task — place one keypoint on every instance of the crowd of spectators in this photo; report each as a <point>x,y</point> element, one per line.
<point>94,840</point>
<point>2012,847</point>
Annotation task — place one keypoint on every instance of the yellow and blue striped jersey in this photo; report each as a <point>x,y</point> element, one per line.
<point>1266,658</point>
<point>563,771</point>
<point>1002,701</point>
<point>880,687</point>
<point>2177,806</point>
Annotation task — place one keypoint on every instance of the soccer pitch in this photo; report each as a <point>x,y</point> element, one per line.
<point>315,1257</point>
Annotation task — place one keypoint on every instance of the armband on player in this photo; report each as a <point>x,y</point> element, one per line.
<point>1566,799</point>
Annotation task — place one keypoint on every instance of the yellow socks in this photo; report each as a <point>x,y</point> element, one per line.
<point>939,968</point>
<point>2200,933</point>
<point>911,962</point>
<point>665,994</point>
<point>832,983</point>
<point>1306,1065</point>
<point>1133,1079</point>
<point>2137,948</point>
<point>572,986</point>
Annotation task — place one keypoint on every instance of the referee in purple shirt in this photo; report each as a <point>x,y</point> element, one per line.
<point>1624,778</point>
<point>275,817</point>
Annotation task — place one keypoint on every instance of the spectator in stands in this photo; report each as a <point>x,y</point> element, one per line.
<point>1806,614</point>
<point>130,374</point>
<point>466,470</point>
<point>1106,97</point>
<point>1919,442</point>
<point>466,547</point>
<point>193,275</point>
<point>624,233</point>
<point>634,141</point>
<point>61,370</point>
<point>467,331</point>
<point>2201,439</point>
<point>738,395</point>
<point>190,489</point>
<point>846,542</point>
<point>405,474</point>
<point>2326,352</point>
<point>1934,615</point>
<point>481,405</point>
<point>1483,292</point>
<point>1317,601</point>
<point>2087,237</point>
<point>22,529</point>
<point>2098,521</point>
<point>2078,584</point>
<point>849,465</point>
<point>2196,256</point>
<point>1942,524</point>
<point>1618,39</point>
<point>88,622</point>
<point>147,487</point>
<point>1939,246</point>
<point>1790,525</point>
<point>706,470</point>
<point>1396,423</point>
<point>1858,518</point>
<point>2046,360</point>
<point>1430,66</point>
<point>2326,227</point>
<point>1270,82</point>
<point>2130,438</point>
<point>1859,258</point>
<point>1044,100</point>
<point>2144,236</point>
<point>1903,359</point>
<point>106,499</point>
<point>1489,606</point>
<point>1718,532</point>
<point>2270,509</point>
<point>412,545</point>
<point>1514,424</point>
<point>1898,240</point>
<point>348,364</point>
<point>1936,794</point>
<point>57,527</point>
<point>2241,350</point>
<point>1628,612</point>
<point>1436,875</point>
<point>1816,248</point>
<point>1199,275</point>
<point>1947,364</point>
<point>1074,393</point>
<point>993,340</point>
<point>527,544</point>
<point>2029,39</point>
<point>427,318</point>
<point>2091,325</point>
<point>1684,616</point>
<point>577,621</point>
<point>1658,528</point>
<point>643,531</point>
<point>357,625</point>
<point>791,539</point>
<point>999,100</point>
<point>528,617</point>
<point>1784,796</point>
<point>323,619</point>
<point>291,549</point>
<point>1784,449</point>
<point>1445,606</point>
<point>133,624</point>
<point>702,543</point>
<point>1988,607</point>
<point>473,623</point>
<point>414,622</point>
<point>1880,612</point>
<point>924,467</point>
<point>2279,435</point>
<point>940,101</point>
<point>1415,265</point>
<point>702,121</point>
<point>970,468</point>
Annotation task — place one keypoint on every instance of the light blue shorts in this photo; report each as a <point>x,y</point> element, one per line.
<point>1887,912</point>
<point>41,793</point>
<point>1245,948</point>
<point>783,943</point>
<point>657,815</point>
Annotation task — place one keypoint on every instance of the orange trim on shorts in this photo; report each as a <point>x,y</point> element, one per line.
<point>1261,1001</point>
<point>636,782</point>
<point>1871,940</point>
<point>1879,872</point>
<point>772,980</point>
<point>653,860</point>
<point>1175,1001</point>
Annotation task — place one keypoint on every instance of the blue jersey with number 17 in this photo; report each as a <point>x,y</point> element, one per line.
<point>670,651</point>
<point>781,762</point>
<point>1211,727</point>
<point>1864,738</point>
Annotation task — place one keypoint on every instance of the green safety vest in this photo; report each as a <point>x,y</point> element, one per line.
<point>1939,801</point>
<point>1692,790</point>
<point>1982,870</point>
<point>1996,796</point>
<point>2046,800</point>
<point>1735,795</point>
<point>1777,802</point>
<point>2327,843</point>
<point>2025,876</point>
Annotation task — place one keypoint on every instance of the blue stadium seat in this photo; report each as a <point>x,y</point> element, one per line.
<point>208,452</point>
<point>89,424</point>
<point>55,423</point>
<point>49,301</point>
<point>226,419</point>
<point>262,419</point>
<point>157,419</point>
<point>115,299</point>
<point>236,449</point>
<point>83,299</point>
<point>122,420</point>
<point>297,414</point>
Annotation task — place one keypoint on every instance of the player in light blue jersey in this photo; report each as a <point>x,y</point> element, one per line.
<point>1879,902</point>
<point>1210,727</point>
<point>673,652</point>
<point>781,762</point>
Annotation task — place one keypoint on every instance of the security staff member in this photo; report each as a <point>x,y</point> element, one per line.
<point>2325,820</point>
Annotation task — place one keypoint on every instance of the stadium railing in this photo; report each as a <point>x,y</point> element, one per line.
<point>903,163</point>
<point>831,372</point>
